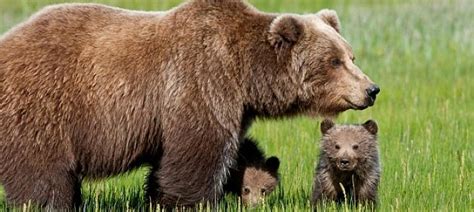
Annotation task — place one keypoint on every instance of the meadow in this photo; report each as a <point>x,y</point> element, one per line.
<point>421,54</point>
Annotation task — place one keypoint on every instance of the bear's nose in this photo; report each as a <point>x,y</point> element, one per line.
<point>372,91</point>
<point>344,162</point>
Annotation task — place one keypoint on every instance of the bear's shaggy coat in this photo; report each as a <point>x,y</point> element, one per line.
<point>88,90</point>
<point>349,167</point>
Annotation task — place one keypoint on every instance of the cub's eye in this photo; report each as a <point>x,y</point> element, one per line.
<point>355,146</point>
<point>263,191</point>
<point>337,146</point>
<point>246,191</point>
<point>336,62</point>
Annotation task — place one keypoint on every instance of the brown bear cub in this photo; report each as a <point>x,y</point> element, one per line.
<point>349,167</point>
<point>253,177</point>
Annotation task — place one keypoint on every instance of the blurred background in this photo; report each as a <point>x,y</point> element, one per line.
<point>420,52</point>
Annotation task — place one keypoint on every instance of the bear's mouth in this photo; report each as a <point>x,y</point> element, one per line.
<point>371,101</point>
<point>355,106</point>
<point>345,168</point>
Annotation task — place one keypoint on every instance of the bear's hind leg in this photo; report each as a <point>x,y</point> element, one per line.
<point>51,189</point>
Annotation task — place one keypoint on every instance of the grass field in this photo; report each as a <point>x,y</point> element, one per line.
<point>421,53</point>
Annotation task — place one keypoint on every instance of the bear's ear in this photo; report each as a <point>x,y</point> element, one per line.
<point>330,18</point>
<point>371,126</point>
<point>272,164</point>
<point>285,31</point>
<point>326,124</point>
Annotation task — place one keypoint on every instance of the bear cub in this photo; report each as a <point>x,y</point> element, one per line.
<point>348,168</point>
<point>253,177</point>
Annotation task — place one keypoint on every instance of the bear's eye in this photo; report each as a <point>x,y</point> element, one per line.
<point>355,147</point>
<point>336,62</point>
<point>246,191</point>
<point>337,146</point>
<point>263,191</point>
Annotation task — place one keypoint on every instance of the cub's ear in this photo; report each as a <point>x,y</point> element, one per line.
<point>285,31</point>
<point>371,126</point>
<point>326,124</point>
<point>330,18</point>
<point>272,164</point>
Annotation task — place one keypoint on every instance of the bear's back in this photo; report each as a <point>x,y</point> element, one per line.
<point>70,25</point>
<point>51,78</point>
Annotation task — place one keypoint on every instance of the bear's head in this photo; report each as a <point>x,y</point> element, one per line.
<point>258,182</point>
<point>321,63</point>
<point>349,147</point>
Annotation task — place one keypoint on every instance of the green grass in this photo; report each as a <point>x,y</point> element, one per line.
<point>421,53</point>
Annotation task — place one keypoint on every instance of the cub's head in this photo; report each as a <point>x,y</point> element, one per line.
<point>349,146</point>
<point>321,63</point>
<point>258,182</point>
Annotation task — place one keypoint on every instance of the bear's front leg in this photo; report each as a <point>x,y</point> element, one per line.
<point>194,165</point>
<point>323,188</point>
<point>367,193</point>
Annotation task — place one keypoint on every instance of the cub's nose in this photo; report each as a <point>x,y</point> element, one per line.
<point>372,91</point>
<point>344,162</point>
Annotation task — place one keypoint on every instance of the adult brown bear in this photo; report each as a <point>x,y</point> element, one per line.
<point>91,91</point>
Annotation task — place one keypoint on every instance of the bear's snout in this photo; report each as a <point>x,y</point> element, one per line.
<point>345,164</point>
<point>372,92</point>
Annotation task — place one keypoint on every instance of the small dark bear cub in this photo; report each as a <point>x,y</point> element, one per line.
<point>348,168</point>
<point>254,177</point>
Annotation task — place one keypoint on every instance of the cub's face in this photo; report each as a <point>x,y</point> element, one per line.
<point>349,146</point>
<point>323,65</point>
<point>259,182</point>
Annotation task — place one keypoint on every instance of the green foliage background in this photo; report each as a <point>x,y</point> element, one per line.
<point>420,52</point>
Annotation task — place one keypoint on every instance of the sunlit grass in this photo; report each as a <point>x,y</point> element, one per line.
<point>421,53</point>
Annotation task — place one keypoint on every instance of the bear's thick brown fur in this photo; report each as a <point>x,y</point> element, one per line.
<point>349,167</point>
<point>254,176</point>
<point>88,90</point>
